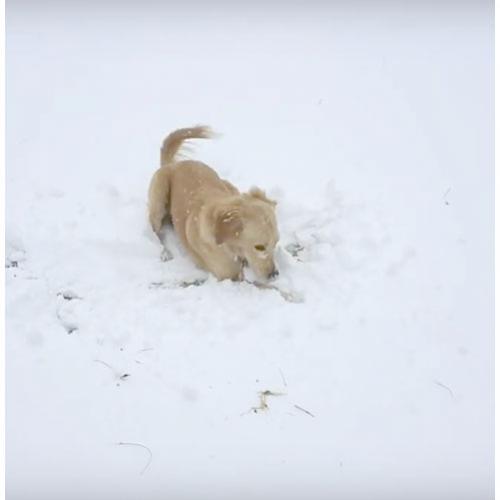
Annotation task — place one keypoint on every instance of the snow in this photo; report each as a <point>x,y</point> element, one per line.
<point>372,126</point>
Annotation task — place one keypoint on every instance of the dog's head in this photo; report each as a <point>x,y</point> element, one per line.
<point>247,227</point>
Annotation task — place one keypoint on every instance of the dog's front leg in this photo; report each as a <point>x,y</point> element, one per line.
<point>240,276</point>
<point>166,254</point>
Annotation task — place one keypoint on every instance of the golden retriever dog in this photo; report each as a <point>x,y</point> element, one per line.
<point>221,228</point>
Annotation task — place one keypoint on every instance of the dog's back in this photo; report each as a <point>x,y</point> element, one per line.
<point>159,188</point>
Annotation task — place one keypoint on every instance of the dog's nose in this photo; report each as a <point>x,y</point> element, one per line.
<point>273,274</point>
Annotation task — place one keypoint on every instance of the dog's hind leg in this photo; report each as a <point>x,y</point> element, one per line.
<point>158,199</point>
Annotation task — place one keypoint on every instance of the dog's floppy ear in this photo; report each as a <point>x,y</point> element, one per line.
<point>228,224</point>
<point>256,192</point>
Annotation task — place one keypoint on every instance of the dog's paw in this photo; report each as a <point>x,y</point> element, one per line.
<point>166,255</point>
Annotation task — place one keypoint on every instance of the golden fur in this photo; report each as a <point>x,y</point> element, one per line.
<point>221,228</point>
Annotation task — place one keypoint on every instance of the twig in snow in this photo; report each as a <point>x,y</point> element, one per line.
<point>288,296</point>
<point>304,410</point>
<point>263,395</point>
<point>179,284</point>
<point>445,387</point>
<point>142,446</point>
<point>69,295</point>
<point>283,378</point>
<point>141,351</point>
<point>187,284</point>
<point>117,374</point>
<point>157,284</point>
<point>446,202</point>
<point>106,364</point>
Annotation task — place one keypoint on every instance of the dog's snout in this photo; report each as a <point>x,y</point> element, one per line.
<point>273,274</point>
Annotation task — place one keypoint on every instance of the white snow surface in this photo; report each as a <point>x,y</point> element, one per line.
<point>371,124</point>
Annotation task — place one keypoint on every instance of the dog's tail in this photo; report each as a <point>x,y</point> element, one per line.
<point>173,142</point>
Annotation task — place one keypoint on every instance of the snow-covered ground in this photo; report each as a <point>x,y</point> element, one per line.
<point>372,125</point>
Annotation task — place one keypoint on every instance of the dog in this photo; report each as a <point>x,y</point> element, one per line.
<point>222,229</point>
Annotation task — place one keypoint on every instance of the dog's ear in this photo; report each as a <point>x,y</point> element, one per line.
<point>228,224</point>
<point>256,192</point>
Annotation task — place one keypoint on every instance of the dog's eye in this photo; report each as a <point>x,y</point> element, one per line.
<point>260,248</point>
